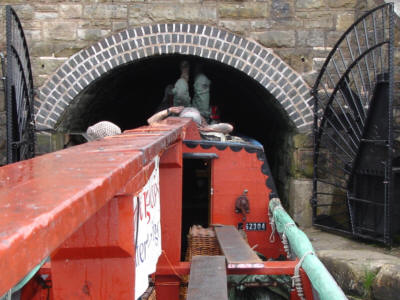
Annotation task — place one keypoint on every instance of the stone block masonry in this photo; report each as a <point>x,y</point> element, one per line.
<point>262,65</point>
<point>291,27</point>
<point>295,30</point>
<point>279,43</point>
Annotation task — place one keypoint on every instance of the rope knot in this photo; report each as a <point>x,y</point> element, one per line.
<point>296,279</point>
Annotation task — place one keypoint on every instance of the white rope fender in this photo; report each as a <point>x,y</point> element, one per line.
<point>273,229</point>
<point>272,223</point>
<point>285,241</point>
<point>296,279</point>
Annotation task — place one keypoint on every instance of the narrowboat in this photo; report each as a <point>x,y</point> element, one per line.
<point>207,223</point>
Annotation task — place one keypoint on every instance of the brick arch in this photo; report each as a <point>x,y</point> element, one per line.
<point>247,56</point>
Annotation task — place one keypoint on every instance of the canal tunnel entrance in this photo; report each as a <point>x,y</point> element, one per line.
<point>130,94</point>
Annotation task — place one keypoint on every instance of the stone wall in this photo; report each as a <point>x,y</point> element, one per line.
<point>79,72</point>
<point>300,32</point>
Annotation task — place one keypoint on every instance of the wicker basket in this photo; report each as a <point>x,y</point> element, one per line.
<point>184,287</point>
<point>201,241</point>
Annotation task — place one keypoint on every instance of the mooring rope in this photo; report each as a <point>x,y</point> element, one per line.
<point>285,240</point>
<point>272,223</point>
<point>296,279</point>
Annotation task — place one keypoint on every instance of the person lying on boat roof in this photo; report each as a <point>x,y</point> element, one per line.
<point>194,114</point>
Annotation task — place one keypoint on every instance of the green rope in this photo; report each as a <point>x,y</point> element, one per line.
<point>321,280</point>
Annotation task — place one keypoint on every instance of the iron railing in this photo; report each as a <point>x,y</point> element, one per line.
<point>18,92</point>
<point>353,142</point>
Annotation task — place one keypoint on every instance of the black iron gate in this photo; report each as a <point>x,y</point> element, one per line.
<point>353,139</point>
<point>18,91</point>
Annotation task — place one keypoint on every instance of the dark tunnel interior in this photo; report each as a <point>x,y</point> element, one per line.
<point>130,94</point>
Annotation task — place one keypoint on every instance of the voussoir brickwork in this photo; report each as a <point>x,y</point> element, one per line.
<point>209,42</point>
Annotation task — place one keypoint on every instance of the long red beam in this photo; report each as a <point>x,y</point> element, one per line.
<point>45,199</point>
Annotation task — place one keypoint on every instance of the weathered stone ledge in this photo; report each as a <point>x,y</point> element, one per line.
<point>364,271</point>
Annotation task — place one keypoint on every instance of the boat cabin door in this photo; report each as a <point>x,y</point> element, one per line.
<point>196,192</point>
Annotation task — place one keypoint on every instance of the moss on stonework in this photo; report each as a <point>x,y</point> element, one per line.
<point>301,169</point>
<point>302,140</point>
<point>308,169</point>
<point>49,142</point>
<point>302,164</point>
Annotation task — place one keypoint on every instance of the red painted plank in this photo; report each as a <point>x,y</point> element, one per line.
<point>45,199</point>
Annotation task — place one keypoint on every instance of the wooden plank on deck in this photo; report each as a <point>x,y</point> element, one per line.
<point>237,252</point>
<point>208,278</point>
